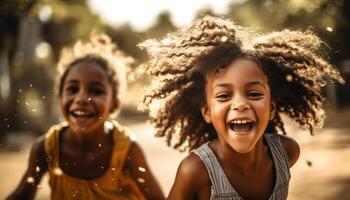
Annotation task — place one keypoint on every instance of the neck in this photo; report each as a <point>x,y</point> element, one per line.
<point>87,141</point>
<point>243,162</point>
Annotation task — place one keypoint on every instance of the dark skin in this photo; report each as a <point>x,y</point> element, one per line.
<point>83,167</point>
<point>234,95</point>
<point>74,155</point>
<point>192,179</point>
<point>37,157</point>
<point>85,146</point>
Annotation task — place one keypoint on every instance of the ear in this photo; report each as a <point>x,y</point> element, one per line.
<point>206,113</point>
<point>272,110</point>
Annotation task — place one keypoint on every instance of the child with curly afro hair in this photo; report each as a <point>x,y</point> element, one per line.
<point>222,90</point>
<point>90,156</point>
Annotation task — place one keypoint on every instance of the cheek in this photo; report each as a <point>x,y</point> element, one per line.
<point>219,109</point>
<point>64,108</point>
<point>218,114</point>
<point>65,102</point>
<point>263,109</point>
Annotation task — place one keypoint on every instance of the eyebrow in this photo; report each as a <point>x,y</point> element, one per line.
<point>257,83</point>
<point>249,83</point>
<point>222,85</point>
<point>99,83</point>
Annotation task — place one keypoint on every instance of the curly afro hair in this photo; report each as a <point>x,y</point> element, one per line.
<point>182,60</point>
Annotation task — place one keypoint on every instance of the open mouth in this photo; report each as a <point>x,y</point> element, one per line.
<point>241,126</point>
<point>82,114</point>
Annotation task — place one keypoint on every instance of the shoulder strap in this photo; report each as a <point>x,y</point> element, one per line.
<point>220,183</point>
<point>278,152</point>
<point>122,142</point>
<point>281,163</point>
<point>51,143</point>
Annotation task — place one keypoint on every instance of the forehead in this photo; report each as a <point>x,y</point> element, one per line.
<point>239,71</point>
<point>87,71</point>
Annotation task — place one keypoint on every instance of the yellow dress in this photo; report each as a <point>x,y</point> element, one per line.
<point>114,184</point>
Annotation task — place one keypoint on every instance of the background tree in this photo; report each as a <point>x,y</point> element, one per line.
<point>34,32</point>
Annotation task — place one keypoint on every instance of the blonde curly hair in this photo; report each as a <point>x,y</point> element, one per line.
<point>182,60</point>
<point>102,51</point>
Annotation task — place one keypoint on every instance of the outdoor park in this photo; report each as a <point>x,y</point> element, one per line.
<point>34,33</point>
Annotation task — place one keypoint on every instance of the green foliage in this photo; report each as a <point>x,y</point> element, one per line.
<point>71,20</point>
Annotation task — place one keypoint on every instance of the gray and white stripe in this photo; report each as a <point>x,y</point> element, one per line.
<point>221,187</point>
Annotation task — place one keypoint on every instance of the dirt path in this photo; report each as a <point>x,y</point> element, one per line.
<point>322,172</point>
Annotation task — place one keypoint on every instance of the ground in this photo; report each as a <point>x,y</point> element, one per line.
<point>322,172</point>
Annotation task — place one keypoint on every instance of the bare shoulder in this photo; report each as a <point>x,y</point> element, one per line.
<point>37,160</point>
<point>39,145</point>
<point>135,150</point>
<point>38,156</point>
<point>191,180</point>
<point>135,158</point>
<point>292,148</point>
<point>140,170</point>
<point>193,166</point>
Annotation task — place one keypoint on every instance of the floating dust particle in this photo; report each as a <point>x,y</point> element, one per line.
<point>329,29</point>
<point>141,169</point>
<point>224,38</point>
<point>57,171</point>
<point>30,180</point>
<point>309,163</point>
<point>289,78</point>
<point>141,180</point>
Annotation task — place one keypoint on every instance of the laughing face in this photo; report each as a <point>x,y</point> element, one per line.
<point>87,97</point>
<point>238,104</point>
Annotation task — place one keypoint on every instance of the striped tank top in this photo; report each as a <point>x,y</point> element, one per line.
<point>221,188</point>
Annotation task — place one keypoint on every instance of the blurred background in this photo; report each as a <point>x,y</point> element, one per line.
<point>33,32</point>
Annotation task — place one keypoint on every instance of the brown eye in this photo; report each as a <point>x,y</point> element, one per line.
<point>72,89</point>
<point>96,91</point>
<point>255,95</point>
<point>223,96</point>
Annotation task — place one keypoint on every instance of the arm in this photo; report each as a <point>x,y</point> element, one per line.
<point>142,173</point>
<point>191,181</point>
<point>292,148</point>
<point>37,167</point>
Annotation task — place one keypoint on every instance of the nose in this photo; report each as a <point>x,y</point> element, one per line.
<point>239,106</point>
<point>82,98</point>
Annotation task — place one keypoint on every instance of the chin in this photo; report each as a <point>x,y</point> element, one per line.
<point>242,149</point>
<point>78,129</point>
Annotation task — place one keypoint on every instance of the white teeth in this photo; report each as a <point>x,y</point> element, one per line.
<point>244,121</point>
<point>80,113</point>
